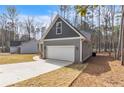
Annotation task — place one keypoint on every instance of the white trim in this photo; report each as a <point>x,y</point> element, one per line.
<point>86,57</point>
<point>43,50</point>
<point>58,28</point>
<point>55,19</point>
<point>62,39</point>
<point>61,46</point>
<point>51,25</point>
<point>80,50</point>
<point>62,52</point>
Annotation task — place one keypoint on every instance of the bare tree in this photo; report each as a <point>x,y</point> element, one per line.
<point>12,18</point>
<point>8,25</point>
<point>3,22</point>
<point>99,44</point>
<point>119,35</point>
<point>113,43</point>
<point>64,10</point>
<point>39,29</point>
<point>29,25</point>
<point>122,36</point>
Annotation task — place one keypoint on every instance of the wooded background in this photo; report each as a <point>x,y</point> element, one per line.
<point>104,22</point>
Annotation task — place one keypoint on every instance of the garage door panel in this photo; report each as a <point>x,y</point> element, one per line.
<point>61,52</point>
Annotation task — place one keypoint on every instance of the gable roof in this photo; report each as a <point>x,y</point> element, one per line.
<point>15,43</point>
<point>87,35</point>
<point>32,40</point>
<point>81,34</point>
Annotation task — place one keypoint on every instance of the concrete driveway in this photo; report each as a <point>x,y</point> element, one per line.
<point>13,73</point>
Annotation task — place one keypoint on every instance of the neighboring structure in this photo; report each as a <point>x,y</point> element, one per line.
<point>14,46</point>
<point>29,47</point>
<point>63,41</point>
<point>25,47</point>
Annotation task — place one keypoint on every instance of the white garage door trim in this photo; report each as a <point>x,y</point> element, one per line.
<point>61,52</point>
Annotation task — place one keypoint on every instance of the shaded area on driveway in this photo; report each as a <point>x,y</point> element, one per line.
<point>57,62</point>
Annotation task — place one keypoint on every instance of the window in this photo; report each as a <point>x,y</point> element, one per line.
<point>59,28</point>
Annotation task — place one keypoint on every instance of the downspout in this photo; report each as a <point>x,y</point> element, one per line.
<point>81,50</point>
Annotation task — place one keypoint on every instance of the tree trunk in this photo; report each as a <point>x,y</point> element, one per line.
<point>113,43</point>
<point>81,23</point>
<point>75,19</point>
<point>106,41</point>
<point>2,40</point>
<point>122,37</point>
<point>119,41</point>
<point>99,32</point>
<point>29,35</point>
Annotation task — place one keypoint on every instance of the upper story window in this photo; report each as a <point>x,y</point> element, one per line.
<point>59,27</point>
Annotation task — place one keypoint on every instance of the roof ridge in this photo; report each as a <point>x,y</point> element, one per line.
<point>73,26</point>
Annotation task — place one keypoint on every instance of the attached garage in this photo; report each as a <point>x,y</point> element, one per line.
<point>62,41</point>
<point>61,52</point>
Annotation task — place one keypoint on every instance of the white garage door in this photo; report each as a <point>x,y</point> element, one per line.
<point>61,52</point>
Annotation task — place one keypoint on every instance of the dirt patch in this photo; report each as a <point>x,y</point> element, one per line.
<point>102,71</point>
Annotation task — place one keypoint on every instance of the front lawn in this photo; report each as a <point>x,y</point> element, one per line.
<point>62,77</point>
<point>15,58</point>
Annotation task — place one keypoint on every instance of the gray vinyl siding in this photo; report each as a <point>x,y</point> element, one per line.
<point>76,43</point>
<point>86,50</point>
<point>66,31</point>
